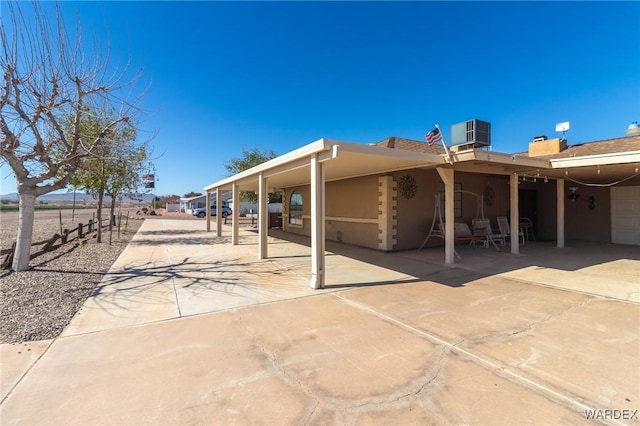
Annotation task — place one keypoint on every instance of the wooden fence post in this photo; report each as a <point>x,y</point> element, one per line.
<point>65,236</point>
<point>9,259</point>
<point>50,243</point>
<point>80,231</point>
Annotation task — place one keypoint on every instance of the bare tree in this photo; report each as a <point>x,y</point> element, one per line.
<point>49,79</point>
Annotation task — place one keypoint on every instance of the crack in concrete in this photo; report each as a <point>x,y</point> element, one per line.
<point>515,376</point>
<point>342,407</point>
<point>347,411</point>
<point>632,294</point>
<point>529,326</point>
<point>309,416</point>
<point>281,372</point>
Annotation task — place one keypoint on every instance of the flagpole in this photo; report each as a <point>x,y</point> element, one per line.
<point>444,144</point>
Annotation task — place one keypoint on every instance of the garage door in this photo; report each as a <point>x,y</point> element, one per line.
<point>625,215</point>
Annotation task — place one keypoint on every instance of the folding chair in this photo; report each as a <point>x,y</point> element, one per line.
<point>482,227</point>
<point>503,225</point>
<point>526,225</point>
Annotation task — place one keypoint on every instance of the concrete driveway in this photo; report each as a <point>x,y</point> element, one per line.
<point>187,329</point>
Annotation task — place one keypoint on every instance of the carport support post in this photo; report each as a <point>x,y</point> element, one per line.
<point>317,224</point>
<point>262,217</point>
<point>207,210</point>
<point>515,213</point>
<point>560,212</point>
<point>449,230</point>
<point>218,212</point>
<point>235,215</point>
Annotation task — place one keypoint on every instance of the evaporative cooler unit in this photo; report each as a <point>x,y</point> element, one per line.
<point>471,134</point>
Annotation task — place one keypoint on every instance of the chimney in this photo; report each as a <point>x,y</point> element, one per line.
<point>542,146</point>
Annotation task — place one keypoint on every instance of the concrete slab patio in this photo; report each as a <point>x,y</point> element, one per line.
<point>187,329</point>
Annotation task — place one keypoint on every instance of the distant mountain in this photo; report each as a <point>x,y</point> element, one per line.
<point>79,197</point>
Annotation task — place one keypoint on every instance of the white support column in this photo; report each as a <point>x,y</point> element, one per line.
<point>560,212</point>
<point>449,228</point>
<point>208,210</point>
<point>218,212</point>
<point>515,213</point>
<point>317,224</point>
<point>235,215</point>
<point>263,215</point>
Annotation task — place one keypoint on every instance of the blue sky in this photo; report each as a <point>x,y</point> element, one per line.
<point>279,75</point>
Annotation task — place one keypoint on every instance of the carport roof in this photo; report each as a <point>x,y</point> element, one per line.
<point>600,163</point>
<point>342,160</point>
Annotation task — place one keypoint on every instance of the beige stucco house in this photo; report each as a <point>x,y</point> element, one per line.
<point>384,196</point>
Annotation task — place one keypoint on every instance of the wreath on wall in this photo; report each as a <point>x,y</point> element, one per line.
<point>408,186</point>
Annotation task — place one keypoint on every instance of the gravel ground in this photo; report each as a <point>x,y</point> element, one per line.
<point>39,303</point>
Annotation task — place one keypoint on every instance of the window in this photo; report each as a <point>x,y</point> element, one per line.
<point>457,198</point>
<point>295,209</point>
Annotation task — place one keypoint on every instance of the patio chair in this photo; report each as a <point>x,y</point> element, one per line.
<point>526,225</point>
<point>503,224</point>
<point>483,227</point>
<point>461,231</point>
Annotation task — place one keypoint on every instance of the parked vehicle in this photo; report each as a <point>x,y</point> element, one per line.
<point>202,212</point>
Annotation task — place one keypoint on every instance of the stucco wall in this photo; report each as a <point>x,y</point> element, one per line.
<point>581,222</point>
<point>414,214</point>
<point>584,223</point>
<point>352,209</point>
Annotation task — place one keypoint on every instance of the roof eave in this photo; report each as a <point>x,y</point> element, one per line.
<point>304,151</point>
<point>597,160</point>
<point>501,158</point>
<point>329,148</point>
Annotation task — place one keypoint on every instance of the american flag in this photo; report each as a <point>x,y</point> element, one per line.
<point>433,136</point>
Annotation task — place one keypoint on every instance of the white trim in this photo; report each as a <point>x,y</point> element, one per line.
<point>335,218</point>
<point>595,160</point>
<point>352,219</point>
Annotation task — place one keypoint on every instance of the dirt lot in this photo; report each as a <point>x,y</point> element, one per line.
<point>37,304</point>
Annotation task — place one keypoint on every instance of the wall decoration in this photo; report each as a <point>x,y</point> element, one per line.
<point>573,193</point>
<point>407,186</point>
